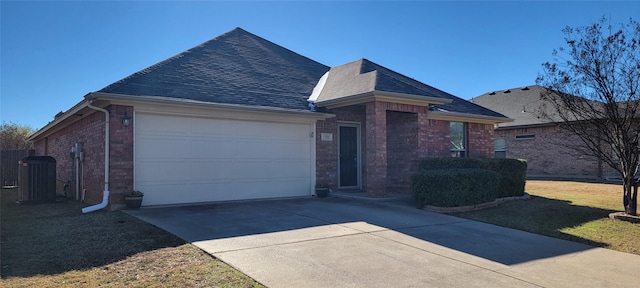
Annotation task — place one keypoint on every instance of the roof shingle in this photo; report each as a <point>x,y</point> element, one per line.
<point>522,104</point>
<point>243,69</point>
<point>363,76</point>
<point>234,68</point>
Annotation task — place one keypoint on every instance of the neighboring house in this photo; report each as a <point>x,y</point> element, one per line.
<point>239,117</point>
<point>546,146</point>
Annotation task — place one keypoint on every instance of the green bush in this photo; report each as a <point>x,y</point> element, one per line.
<point>454,187</point>
<point>513,175</point>
<point>451,163</point>
<point>512,172</point>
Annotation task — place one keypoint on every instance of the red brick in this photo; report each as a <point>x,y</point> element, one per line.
<point>90,131</point>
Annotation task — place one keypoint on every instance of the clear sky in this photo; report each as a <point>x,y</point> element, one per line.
<point>53,53</point>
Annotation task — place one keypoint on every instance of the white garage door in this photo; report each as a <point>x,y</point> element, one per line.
<point>182,159</point>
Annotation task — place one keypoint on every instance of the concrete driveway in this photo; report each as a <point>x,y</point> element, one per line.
<point>335,242</point>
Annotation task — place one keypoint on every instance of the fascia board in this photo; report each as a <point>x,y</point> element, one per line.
<point>123,99</point>
<point>66,115</point>
<point>391,97</point>
<point>465,117</point>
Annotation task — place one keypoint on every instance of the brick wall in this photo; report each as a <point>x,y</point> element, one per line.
<point>121,158</point>
<point>90,131</point>
<point>376,149</point>
<point>393,139</point>
<point>402,150</point>
<point>550,154</point>
<point>480,140</point>
<point>438,139</point>
<point>327,151</point>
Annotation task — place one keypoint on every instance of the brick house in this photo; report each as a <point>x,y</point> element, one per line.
<point>546,146</point>
<point>239,117</point>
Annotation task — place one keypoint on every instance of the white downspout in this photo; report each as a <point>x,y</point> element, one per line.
<point>105,196</point>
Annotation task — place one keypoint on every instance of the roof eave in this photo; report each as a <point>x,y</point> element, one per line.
<point>131,100</point>
<point>522,126</point>
<point>466,117</point>
<point>384,96</point>
<point>60,119</point>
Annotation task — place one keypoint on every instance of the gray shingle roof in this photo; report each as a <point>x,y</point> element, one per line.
<point>363,76</point>
<point>234,68</point>
<point>522,104</point>
<point>241,68</point>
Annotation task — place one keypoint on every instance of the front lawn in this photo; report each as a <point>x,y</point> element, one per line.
<point>574,211</point>
<point>55,245</point>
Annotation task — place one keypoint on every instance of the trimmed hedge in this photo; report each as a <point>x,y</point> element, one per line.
<point>454,187</point>
<point>513,172</point>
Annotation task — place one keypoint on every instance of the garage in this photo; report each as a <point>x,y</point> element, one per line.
<point>187,159</point>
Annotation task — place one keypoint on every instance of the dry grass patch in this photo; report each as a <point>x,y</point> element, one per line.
<point>55,245</point>
<point>574,211</point>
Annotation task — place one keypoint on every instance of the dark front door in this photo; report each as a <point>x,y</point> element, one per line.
<point>349,156</point>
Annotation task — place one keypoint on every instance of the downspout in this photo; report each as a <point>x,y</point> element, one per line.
<point>105,196</point>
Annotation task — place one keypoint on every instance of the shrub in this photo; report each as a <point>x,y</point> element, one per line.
<point>451,163</point>
<point>513,175</point>
<point>512,172</point>
<point>454,187</point>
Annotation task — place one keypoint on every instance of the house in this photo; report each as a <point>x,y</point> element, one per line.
<point>547,147</point>
<point>239,117</point>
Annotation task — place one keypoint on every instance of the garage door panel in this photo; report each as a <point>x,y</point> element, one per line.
<point>291,168</point>
<point>163,124</point>
<point>273,149</point>
<point>208,159</point>
<point>163,170</point>
<point>290,150</point>
<point>205,126</point>
<point>270,169</point>
<point>162,147</point>
<point>162,193</point>
<point>213,148</point>
<point>292,132</point>
<point>216,170</point>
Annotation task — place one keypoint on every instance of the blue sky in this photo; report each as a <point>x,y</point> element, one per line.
<point>53,53</point>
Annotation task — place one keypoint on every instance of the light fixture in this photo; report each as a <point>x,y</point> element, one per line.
<point>126,120</point>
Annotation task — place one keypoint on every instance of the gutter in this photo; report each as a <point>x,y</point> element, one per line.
<point>127,99</point>
<point>465,117</point>
<point>105,195</point>
<point>393,97</point>
<point>71,112</point>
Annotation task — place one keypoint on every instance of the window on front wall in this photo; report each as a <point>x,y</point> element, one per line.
<point>500,148</point>
<point>458,139</point>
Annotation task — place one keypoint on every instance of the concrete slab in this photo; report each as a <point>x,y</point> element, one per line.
<point>595,267</point>
<point>370,262</point>
<point>274,238</point>
<point>347,243</point>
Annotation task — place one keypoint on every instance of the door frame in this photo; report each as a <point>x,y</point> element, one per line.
<point>356,125</point>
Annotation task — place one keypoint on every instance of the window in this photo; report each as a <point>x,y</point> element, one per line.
<point>458,139</point>
<point>526,137</point>
<point>500,148</point>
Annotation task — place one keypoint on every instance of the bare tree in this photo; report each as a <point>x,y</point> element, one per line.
<point>14,137</point>
<point>592,90</point>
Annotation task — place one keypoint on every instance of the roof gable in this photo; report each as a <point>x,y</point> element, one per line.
<point>234,68</point>
<point>364,76</point>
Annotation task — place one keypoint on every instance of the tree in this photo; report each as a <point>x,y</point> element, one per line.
<point>14,137</point>
<point>592,91</point>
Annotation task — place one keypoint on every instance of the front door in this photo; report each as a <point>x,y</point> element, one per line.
<point>349,155</point>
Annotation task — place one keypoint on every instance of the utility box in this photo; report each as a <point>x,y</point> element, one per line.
<point>37,179</point>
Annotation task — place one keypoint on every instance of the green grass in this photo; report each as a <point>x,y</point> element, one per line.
<point>573,211</point>
<point>55,245</point>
